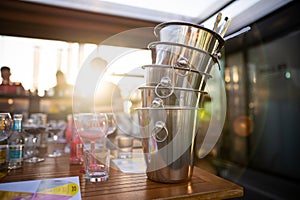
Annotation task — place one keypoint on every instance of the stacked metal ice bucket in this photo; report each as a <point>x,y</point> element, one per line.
<point>182,60</point>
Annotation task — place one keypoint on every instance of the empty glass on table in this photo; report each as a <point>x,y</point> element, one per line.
<point>55,129</point>
<point>34,130</point>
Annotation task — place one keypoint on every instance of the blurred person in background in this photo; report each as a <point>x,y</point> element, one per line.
<point>62,88</point>
<point>9,87</point>
<point>108,98</point>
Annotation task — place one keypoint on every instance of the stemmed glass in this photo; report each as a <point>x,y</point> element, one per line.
<point>54,128</point>
<point>34,130</point>
<point>111,128</point>
<point>111,122</point>
<point>5,126</point>
<point>91,127</point>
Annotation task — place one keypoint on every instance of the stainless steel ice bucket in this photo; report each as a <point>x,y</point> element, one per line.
<point>168,136</point>
<point>179,55</point>
<point>179,77</point>
<point>189,34</point>
<point>153,96</point>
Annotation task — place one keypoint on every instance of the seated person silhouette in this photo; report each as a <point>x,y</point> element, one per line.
<point>9,87</point>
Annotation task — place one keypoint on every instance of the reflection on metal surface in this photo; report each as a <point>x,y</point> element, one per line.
<point>243,126</point>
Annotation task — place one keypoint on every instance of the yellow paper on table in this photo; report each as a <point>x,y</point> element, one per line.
<point>60,189</point>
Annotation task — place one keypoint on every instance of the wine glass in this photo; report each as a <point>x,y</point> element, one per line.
<point>54,128</point>
<point>111,128</point>
<point>5,125</point>
<point>111,122</point>
<point>34,130</point>
<point>91,127</point>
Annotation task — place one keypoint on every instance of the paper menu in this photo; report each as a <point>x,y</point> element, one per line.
<point>67,188</point>
<point>133,165</point>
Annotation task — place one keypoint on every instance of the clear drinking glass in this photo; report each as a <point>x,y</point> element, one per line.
<point>35,131</point>
<point>54,128</point>
<point>28,150</point>
<point>97,165</point>
<point>91,127</point>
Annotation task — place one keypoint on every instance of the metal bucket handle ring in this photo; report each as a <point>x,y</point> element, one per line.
<point>165,82</point>
<point>159,126</point>
<point>183,63</point>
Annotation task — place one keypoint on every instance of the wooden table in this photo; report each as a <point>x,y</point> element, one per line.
<point>128,186</point>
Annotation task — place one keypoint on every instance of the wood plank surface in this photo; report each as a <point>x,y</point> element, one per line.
<point>128,186</point>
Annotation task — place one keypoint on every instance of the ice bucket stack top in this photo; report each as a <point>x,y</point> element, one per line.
<point>182,60</point>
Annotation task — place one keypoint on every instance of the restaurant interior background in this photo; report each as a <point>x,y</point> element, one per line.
<point>258,145</point>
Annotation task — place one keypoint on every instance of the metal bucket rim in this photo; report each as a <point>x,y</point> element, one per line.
<point>176,108</point>
<point>214,56</point>
<point>175,88</point>
<point>160,26</point>
<point>151,45</point>
<point>169,66</point>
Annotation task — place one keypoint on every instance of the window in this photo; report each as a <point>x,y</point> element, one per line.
<point>34,62</point>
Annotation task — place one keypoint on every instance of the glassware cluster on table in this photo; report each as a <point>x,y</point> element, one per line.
<point>21,140</point>
<point>31,140</point>
<point>11,142</point>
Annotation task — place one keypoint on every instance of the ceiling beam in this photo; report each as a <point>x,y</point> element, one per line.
<point>33,20</point>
